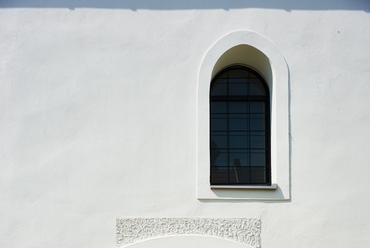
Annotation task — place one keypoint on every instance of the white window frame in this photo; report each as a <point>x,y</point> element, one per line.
<point>280,146</point>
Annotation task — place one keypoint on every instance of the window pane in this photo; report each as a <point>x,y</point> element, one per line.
<point>257,107</point>
<point>258,175</point>
<point>218,107</point>
<point>238,158</point>
<point>256,88</point>
<point>219,175</point>
<point>257,124</point>
<point>257,141</point>
<point>218,124</point>
<point>243,174</point>
<point>237,89</point>
<point>258,158</point>
<point>238,141</point>
<point>219,88</point>
<point>218,140</point>
<point>238,107</point>
<point>218,158</point>
<point>238,124</point>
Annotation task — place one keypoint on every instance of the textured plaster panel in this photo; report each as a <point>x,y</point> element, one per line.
<point>130,230</point>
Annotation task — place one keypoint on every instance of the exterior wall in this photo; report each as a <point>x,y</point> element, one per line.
<point>98,118</point>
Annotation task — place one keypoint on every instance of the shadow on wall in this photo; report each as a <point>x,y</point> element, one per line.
<point>287,5</point>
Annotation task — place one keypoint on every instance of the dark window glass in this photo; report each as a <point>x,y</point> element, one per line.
<point>240,128</point>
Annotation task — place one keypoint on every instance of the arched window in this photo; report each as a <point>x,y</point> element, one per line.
<point>239,128</point>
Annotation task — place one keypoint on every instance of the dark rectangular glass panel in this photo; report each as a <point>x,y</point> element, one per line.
<point>258,158</point>
<point>238,124</point>
<point>219,107</point>
<point>257,141</point>
<point>219,140</point>
<point>219,88</point>
<point>238,141</point>
<point>257,107</point>
<point>258,175</point>
<point>256,88</point>
<point>219,124</point>
<point>219,158</point>
<point>219,175</point>
<point>243,174</point>
<point>238,158</point>
<point>238,107</point>
<point>257,124</point>
<point>238,89</point>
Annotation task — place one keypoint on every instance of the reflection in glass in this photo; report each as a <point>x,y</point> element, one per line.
<point>240,155</point>
<point>219,139</point>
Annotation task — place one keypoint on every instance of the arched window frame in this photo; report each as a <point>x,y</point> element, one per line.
<point>248,167</point>
<point>280,119</point>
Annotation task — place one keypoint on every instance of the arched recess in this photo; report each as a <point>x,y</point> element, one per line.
<point>252,50</point>
<point>187,241</point>
<point>248,56</point>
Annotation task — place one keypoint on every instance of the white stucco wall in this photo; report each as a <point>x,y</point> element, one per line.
<point>98,118</point>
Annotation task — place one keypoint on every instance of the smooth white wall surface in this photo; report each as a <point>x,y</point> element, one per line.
<point>98,118</point>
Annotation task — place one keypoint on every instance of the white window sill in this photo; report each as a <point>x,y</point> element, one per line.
<point>272,187</point>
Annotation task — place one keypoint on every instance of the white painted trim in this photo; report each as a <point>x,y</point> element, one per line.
<point>280,162</point>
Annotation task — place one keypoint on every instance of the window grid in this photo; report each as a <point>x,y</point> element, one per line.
<point>246,173</point>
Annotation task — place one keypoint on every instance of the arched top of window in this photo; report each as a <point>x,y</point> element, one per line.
<point>238,81</point>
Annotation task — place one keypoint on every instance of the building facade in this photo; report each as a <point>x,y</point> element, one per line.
<point>109,137</point>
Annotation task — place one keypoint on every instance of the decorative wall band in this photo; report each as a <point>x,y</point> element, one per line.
<point>247,231</point>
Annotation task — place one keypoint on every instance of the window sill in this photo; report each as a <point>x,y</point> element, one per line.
<point>272,187</point>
